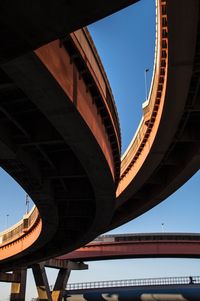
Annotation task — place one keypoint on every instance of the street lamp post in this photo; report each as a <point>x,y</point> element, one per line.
<point>145,82</point>
<point>27,203</point>
<point>7,216</point>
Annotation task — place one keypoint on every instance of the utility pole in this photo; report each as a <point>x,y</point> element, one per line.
<point>7,216</point>
<point>145,82</point>
<point>27,203</point>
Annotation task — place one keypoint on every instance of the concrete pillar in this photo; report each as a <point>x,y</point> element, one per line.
<point>41,281</point>
<point>58,292</point>
<point>18,289</point>
<point>60,285</point>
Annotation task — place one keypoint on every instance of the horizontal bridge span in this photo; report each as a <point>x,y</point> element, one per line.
<point>163,289</point>
<point>185,245</point>
<point>127,283</point>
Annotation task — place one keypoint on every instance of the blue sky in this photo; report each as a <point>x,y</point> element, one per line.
<point>125,42</point>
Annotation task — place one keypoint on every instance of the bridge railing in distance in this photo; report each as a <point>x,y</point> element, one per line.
<point>148,106</point>
<point>135,282</point>
<point>128,237</point>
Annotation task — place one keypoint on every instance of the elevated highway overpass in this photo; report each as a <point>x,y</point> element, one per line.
<point>60,134</point>
<point>107,247</point>
<point>147,245</point>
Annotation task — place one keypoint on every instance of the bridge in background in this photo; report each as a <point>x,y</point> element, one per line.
<point>106,247</point>
<point>146,245</point>
<point>160,289</point>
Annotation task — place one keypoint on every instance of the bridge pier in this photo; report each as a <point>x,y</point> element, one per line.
<point>65,267</point>
<point>41,282</point>
<point>18,279</point>
<point>18,286</point>
<point>18,289</point>
<point>60,285</point>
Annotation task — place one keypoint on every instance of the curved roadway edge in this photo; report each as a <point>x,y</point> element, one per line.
<point>21,235</point>
<point>167,155</point>
<point>75,197</point>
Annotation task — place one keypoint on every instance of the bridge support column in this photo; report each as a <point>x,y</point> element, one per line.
<point>41,282</point>
<point>18,289</point>
<point>65,267</point>
<point>60,285</point>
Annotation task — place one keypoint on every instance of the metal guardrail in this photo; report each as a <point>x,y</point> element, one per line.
<point>20,228</point>
<point>153,104</point>
<point>128,237</point>
<point>135,282</point>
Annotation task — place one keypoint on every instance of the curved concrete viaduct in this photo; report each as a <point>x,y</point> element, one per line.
<point>169,245</point>
<point>164,152</point>
<point>60,137</point>
<point>48,129</point>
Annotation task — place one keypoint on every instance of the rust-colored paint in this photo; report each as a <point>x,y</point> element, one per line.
<point>58,62</point>
<point>56,59</point>
<point>87,49</point>
<point>102,251</point>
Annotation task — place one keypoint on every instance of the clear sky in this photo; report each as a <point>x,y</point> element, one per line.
<point>125,42</point>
